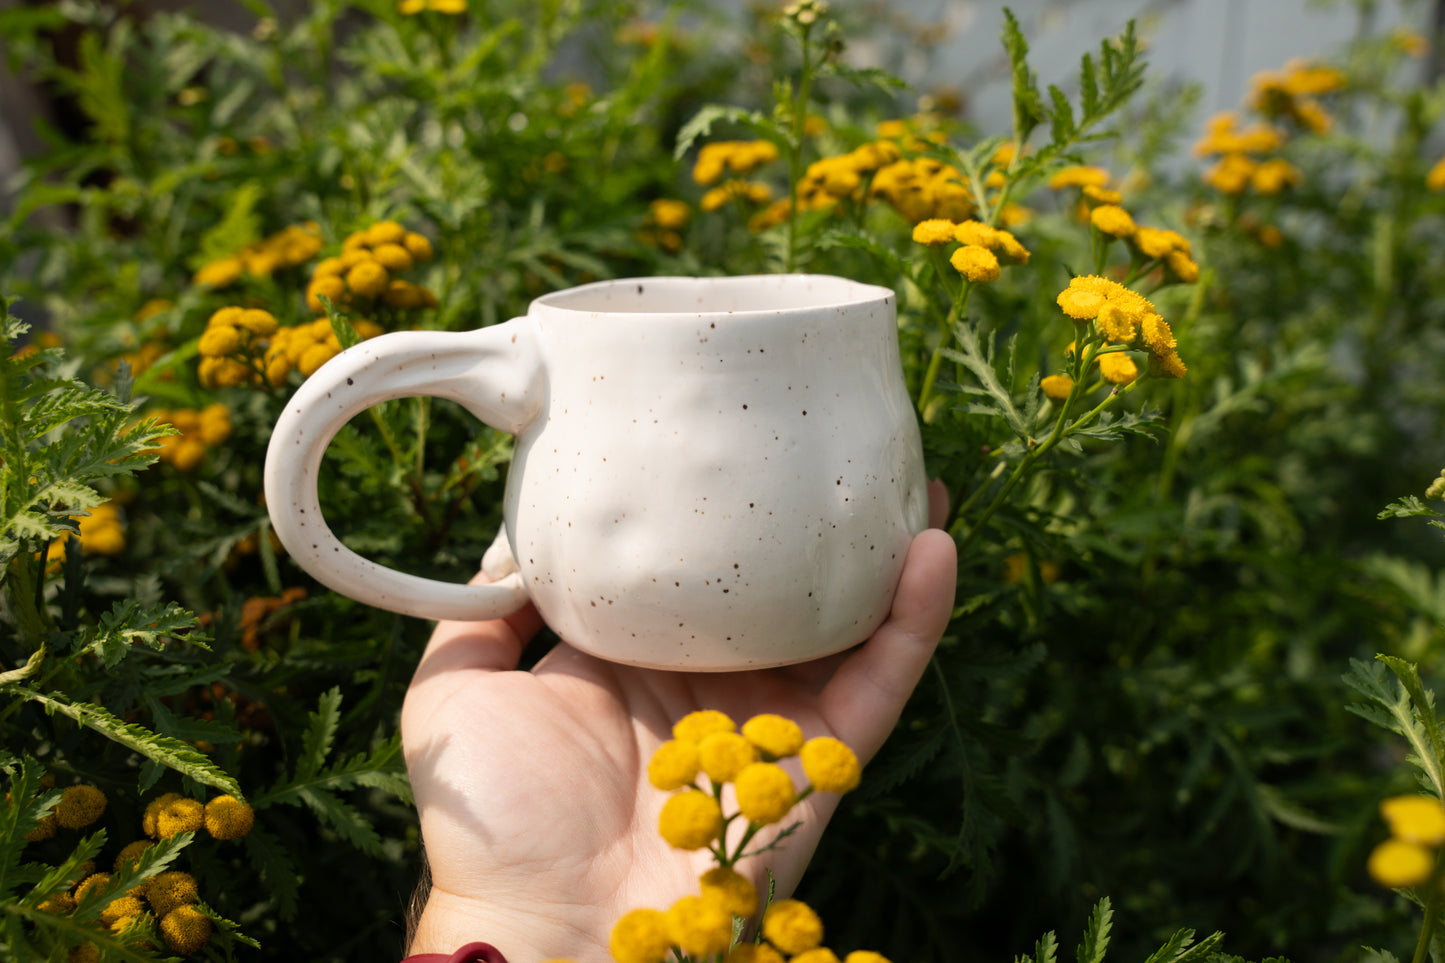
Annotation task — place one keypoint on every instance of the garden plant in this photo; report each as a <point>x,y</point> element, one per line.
<point>1179,374</point>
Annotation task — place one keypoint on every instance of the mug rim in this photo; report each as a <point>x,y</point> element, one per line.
<point>864,293</point>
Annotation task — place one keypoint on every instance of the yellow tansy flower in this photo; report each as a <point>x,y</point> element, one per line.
<point>185,930</point>
<point>1182,266</point>
<point>1116,323</point>
<point>1169,365</point>
<point>819,954</point>
<point>1118,368</point>
<point>392,256</point>
<point>1274,175</point>
<point>368,279</point>
<point>130,854</point>
<point>792,926</point>
<point>227,817</point>
<point>151,816</point>
<point>865,956</point>
<point>170,889</point>
<point>700,926</point>
<point>774,735</point>
<point>765,792</point>
<point>1112,220</point>
<point>1396,864</point>
<point>830,765</point>
<point>694,726</point>
<point>640,936</point>
<point>220,273</point>
<point>976,263</point>
<point>934,231</point>
<point>79,806</point>
<point>1079,176</point>
<point>180,816</point>
<point>1057,387</point>
<point>736,893</point>
<point>1158,336</point>
<point>691,819</point>
<point>723,755</point>
<point>122,907</point>
<point>669,213</point>
<point>673,765</point>
<point>1413,818</point>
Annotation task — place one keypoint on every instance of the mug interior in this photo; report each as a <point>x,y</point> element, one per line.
<point>720,295</point>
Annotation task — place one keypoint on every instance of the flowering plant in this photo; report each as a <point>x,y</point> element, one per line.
<point>1157,389</point>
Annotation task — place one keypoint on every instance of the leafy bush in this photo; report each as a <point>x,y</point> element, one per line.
<point>1168,402</point>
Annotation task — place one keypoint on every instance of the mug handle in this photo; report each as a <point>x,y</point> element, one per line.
<point>494,372</point>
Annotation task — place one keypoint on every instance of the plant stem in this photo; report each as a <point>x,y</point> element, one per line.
<point>960,302</point>
<point>795,151</point>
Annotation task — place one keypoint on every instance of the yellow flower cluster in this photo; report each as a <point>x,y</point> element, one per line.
<point>224,817</point>
<point>709,742</point>
<point>982,248</point>
<point>365,271</point>
<point>199,429</point>
<point>734,189</point>
<point>410,8</point>
<point>170,896</point>
<point>247,347</point>
<point>1124,317</point>
<point>731,156</point>
<point>101,533</point>
<point>666,217</point>
<point>1290,93</point>
<point>1417,830</point>
<point>921,188</point>
<point>701,926</point>
<point>290,247</point>
<point>230,347</point>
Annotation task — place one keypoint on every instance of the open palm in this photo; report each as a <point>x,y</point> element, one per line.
<point>539,823</point>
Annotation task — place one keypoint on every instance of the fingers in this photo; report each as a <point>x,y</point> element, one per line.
<point>868,692</point>
<point>490,646</point>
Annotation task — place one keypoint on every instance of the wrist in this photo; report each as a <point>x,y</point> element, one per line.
<point>450,921</point>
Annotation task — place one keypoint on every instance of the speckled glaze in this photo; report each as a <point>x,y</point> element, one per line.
<point>710,473</point>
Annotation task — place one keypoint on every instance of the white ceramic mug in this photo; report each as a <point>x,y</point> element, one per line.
<point>709,473</point>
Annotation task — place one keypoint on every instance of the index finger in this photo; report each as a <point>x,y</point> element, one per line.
<point>865,697</point>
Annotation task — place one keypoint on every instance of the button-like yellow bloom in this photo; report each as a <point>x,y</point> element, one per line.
<point>792,926</point>
<point>695,726</point>
<point>392,256</point>
<point>1413,818</point>
<point>220,273</point>
<point>1079,176</point>
<point>723,755</point>
<point>79,806</point>
<point>819,954</point>
<point>1274,175</point>
<point>185,930</point>
<point>673,765</point>
<point>170,889</point>
<point>1396,863</point>
<point>151,815</point>
<point>1116,323</point>
<point>669,213</point>
<point>1118,368</point>
<point>227,817</point>
<point>1112,220</point>
<point>700,926</point>
<point>1057,387</point>
<point>640,936</point>
<point>935,230</point>
<point>1158,336</point>
<point>976,263</point>
<point>865,956</point>
<point>1168,366</point>
<point>180,816</point>
<point>774,735</point>
<point>691,819</point>
<point>765,792</point>
<point>130,854</point>
<point>120,908</point>
<point>368,279</point>
<point>732,889</point>
<point>830,765</point>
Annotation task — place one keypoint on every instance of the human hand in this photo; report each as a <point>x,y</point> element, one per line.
<point>539,822</point>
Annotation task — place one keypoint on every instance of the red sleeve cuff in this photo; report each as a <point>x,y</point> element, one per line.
<point>471,953</point>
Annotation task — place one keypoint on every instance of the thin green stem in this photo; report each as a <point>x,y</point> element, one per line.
<point>795,152</point>
<point>1432,918</point>
<point>945,335</point>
